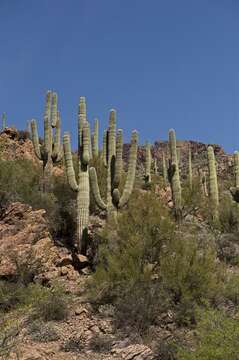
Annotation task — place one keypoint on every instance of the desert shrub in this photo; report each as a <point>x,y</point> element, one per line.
<point>23,135</point>
<point>101,343</point>
<point>73,344</point>
<point>147,266</point>
<point>188,270</point>
<point>217,338</point>
<point>9,342</point>
<point>10,295</point>
<point>193,199</point>
<point>165,350</point>
<point>231,289</point>
<point>127,254</point>
<point>19,179</point>
<point>65,209</point>
<point>228,215</point>
<point>48,303</point>
<point>42,332</point>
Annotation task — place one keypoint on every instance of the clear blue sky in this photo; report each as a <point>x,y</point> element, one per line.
<point>160,63</point>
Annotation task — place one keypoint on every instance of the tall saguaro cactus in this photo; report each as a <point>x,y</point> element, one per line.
<point>165,174</point>
<point>190,172</point>
<point>95,142</point>
<point>173,175</point>
<point>213,185</point>
<point>80,183</point>
<point>235,190</point>
<point>113,160</point>
<point>50,151</point>
<point>4,120</point>
<point>148,162</point>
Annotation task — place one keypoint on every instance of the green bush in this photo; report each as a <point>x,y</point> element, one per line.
<point>216,339</point>
<point>147,266</point>
<point>42,332</point>
<point>48,303</point>
<point>10,295</point>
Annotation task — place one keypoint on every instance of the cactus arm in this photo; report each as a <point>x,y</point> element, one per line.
<point>95,189</point>
<point>118,158</point>
<point>86,144</point>
<point>81,120</point>
<point>213,185</point>
<point>83,203</point>
<point>174,175</point>
<point>148,161</point>
<point>104,151</point>
<point>48,102</point>
<point>57,140</point>
<point>131,170</point>
<point>111,134</point>
<point>35,139</point>
<point>4,117</point>
<point>70,172</point>
<point>90,142</point>
<point>54,113</point>
<point>165,175</point>
<point>236,168</point>
<point>95,143</point>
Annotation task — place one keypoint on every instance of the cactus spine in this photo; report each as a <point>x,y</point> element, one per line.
<point>4,121</point>
<point>148,162</point>
<point>190,172</point>
<point>80,184</point>
<point>113,159</point>
<point>173,175</point>
<point>50,152</point>
<point>95,143</point>
<point>213,185</point>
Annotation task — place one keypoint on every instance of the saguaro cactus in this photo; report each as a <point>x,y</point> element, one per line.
<point>113,159</point>
<point>80,184</point>
<point>213,185</point>
<point>50,151</point>
<point>173,175</point>
<point>148,162</point>
<point>95,142</point>
<point>203,182</point>
<point>4,120</point>
<point>155,167</point>
<point>165,174</point>
<point>190,172</point>
<point>235,190</point>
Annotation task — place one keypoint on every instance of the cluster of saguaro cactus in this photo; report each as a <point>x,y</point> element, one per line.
<point>148,162</point>
<point>4,120</point>
<point>112,152</point>
<point>51,150</point>
<point>173,176</point>
<point>213,185</point>
<point>80,183</point>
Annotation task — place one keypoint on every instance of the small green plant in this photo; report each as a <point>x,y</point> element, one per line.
<point>48,303</point>
<point>73,344</point>
<point>101,343</point>
<point>42,332</point>
<point>216,339</point>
